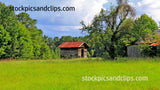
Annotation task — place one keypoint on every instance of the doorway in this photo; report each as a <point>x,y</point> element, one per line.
<point>82,52</point>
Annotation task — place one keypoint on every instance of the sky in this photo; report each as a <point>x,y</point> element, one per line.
<point>68,23</point>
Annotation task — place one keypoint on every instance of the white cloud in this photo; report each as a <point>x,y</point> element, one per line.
<point>68,28</point>
<point>87,9</point>
<point>132,4</point>
<point>139,4</point>
<point>150,7</point>
<point>51,22</point>
<point>59,30</point>
<point>59,27</point>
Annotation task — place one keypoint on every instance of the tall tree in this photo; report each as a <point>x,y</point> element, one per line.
<point>107,25</point>
<point>25,43</point>
<point>40,48</point>
<point>9,21</point>
<point>36,34</point>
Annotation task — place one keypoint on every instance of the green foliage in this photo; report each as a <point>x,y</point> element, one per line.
<point>45,51</point>
<point>144,49</point>
<point>106,56</point>
<point>144,27</point>
<point>20,38</point>
<point>147,50</point>
<point>56,41</point>
<point>88,54</point>
<point>92,52</point>
<point>127,36</point>
<point>25,43</point>
<point>4,38</point>
<point>144,30</point>
<point>107,35</point>
<point>107,29</point>
<point>50,42</point>
<point>42,46</point>
<point>66,39</point>
<point>158,51</point>
<point>37,51</point>
<point>56,53</point>
<point>25,19</point>
<point>9,22</point>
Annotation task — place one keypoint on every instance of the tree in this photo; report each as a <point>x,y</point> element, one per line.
<point>56,41</point>
<point>25,43</point>
<point>4,38</point>
<point>42,46</point>
<point>66,39</point>
<point>145,30</point>
<point>25,19</point>
<point>36,34</point>
<point>107,25</point>
<point>45,51</point>
<point>9,22</point>
<point>50,42</point>
<point>144,27</point>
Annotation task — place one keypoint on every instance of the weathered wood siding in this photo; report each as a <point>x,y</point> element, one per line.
<point>133,51</point>
<point>69,53</point>
<point>73,52</point>
<point>85,53</point>
<point>79,52</point>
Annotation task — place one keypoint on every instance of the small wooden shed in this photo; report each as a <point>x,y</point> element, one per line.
<point>134,51</point>
<point>73,50</point>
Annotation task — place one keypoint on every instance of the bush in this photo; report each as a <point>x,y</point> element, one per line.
<point>147,50</point>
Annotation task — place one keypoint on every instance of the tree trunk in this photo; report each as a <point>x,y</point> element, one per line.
<point>112,52</point>
<point>112,48</point>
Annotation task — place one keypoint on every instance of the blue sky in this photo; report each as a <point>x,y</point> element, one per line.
<point>68,23</point>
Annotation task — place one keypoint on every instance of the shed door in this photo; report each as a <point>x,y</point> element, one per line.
<point>82,52</point>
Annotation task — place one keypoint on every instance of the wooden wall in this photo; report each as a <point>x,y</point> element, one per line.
<point>69,53</point>
<point>73,52</point>
<point>85,53</point>
<point>79,52</point>
<point>133,51</point>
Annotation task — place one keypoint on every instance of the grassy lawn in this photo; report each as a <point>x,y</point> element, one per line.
<point>67,74</point>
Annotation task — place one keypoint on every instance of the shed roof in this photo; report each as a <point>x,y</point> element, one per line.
<point>155,44</point>
<point>73,45</point>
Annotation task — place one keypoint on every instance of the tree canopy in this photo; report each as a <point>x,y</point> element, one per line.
<point>108,34</point>
<point>112,30</point>
<point>107,26</point>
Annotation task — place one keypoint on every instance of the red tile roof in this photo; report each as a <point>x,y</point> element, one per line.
<point>71,44</point>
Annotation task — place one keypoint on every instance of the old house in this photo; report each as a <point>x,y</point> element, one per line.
<point>73,50</point>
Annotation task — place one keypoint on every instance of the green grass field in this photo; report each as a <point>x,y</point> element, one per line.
<point>67,74</point>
